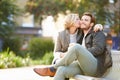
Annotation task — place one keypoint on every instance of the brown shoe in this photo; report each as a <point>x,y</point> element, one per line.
<point>45,71</point>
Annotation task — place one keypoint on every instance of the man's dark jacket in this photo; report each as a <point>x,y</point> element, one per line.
<point>96,44</point>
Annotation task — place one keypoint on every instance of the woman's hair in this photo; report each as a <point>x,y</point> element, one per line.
<point>70,20</point>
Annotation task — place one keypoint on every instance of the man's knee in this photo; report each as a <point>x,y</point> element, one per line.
<point>61,70</point>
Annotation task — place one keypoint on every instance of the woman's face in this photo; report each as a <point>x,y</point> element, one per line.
<point>77,22</point>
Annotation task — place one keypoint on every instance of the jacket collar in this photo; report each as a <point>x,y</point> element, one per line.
<point>90,31</point>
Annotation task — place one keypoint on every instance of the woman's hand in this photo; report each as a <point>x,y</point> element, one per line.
<point>98,27</point>
<point>62,55</point>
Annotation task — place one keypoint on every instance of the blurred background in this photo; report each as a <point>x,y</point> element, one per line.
<point>28,27</point>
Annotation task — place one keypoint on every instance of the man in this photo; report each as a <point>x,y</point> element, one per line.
<point>89,58</point>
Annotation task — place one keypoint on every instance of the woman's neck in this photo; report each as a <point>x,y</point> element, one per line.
<point>72,30</point>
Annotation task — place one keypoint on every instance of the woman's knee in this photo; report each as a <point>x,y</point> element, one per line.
<point>75,46</point>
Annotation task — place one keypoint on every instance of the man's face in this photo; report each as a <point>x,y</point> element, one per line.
<point>85,22</point>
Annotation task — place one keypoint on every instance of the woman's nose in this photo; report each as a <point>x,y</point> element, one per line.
<point>80,21</point>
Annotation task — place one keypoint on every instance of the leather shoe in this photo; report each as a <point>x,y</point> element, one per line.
<point>45,71</point>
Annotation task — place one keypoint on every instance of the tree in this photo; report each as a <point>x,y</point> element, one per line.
<point>115,16</point>
<point>7,10</point>
<point>53,7</point>
<point>50,7</point>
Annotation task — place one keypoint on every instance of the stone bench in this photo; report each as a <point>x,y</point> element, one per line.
<point>112,74</point>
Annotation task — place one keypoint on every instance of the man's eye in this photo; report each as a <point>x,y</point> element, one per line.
<point>86,20</point>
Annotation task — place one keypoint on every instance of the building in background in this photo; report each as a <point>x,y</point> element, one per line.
<point>26,28</point>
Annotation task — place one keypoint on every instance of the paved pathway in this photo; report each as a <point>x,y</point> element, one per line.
<point>24,73</point>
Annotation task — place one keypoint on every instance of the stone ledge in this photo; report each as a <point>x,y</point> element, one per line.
<point>113,74</point>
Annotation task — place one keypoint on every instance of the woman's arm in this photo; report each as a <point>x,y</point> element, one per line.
<point>58,47</point>
<point>98,27</point>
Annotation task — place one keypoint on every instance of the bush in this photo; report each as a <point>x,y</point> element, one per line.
<point>47,58</point>
<point>9,60</point>
<point>39,46</point>
<point>13,44</point>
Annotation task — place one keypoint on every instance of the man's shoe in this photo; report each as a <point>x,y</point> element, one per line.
<point>48,71</point>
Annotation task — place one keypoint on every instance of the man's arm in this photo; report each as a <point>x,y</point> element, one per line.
<point>99,43</point>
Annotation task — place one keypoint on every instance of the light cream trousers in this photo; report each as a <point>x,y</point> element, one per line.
<point>78,60</point>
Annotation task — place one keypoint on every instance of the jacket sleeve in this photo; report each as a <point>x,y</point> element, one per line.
<point>58,47</point>
<point>99,43</point>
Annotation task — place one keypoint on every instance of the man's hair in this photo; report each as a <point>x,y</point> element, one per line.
<point>92,17</point>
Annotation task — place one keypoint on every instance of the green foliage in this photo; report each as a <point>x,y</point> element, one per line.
<point>8,10</point>
<point>13,44</point>
<point>39,46</point>
<point>100,8</point>
<point>41,7</point>
<point>9,60</point>
<point>47,58</point>
<point>94,6</point>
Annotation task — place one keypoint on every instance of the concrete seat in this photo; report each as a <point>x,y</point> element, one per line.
<point>112,74</point>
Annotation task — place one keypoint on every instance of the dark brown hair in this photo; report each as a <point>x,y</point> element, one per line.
<point>92,17</point>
